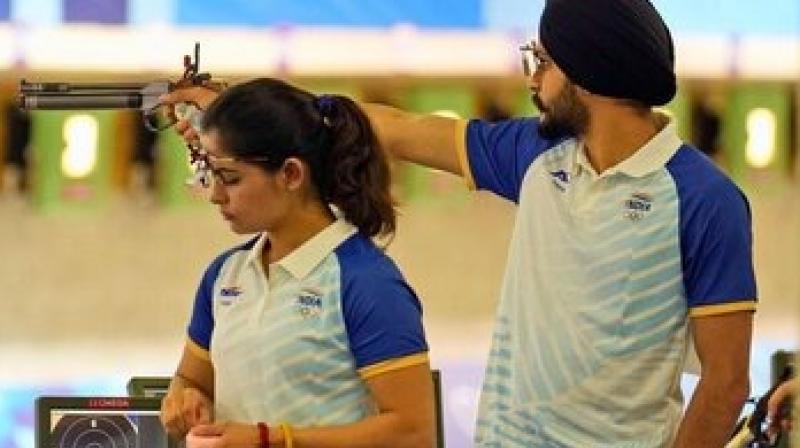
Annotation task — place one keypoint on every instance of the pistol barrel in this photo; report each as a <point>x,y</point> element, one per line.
<point>107,95</point>
<point>86,101</point>
<point>50,88</point>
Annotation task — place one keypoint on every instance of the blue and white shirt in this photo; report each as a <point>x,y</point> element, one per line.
<point>297,345</point>
<point>603,273</point>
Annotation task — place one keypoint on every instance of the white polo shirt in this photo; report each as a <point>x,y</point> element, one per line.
<point>296,346</point>
<point>603,272</point>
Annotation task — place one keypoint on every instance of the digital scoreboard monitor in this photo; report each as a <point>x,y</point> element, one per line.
<point>99,422</point>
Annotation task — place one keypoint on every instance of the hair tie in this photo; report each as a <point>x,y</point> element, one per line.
<point>324,105</point>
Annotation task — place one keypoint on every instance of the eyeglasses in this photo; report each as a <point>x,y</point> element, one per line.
<point>204,173</point>
<point>532,60</point>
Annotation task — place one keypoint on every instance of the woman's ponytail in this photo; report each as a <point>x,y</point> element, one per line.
<point>357,179</point>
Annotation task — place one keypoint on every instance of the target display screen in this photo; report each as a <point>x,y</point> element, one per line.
<point>92,422</point>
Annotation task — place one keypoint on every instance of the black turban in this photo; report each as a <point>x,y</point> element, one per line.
<point>614,48</point>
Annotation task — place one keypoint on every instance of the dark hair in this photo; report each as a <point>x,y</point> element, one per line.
<point>330,133</point>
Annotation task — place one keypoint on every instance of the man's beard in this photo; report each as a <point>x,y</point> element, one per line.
<point>565,117</point>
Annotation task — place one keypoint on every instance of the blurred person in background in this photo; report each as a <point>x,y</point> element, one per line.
<point>18,136</point>
<point>628,246</point>
<point>308,335</point>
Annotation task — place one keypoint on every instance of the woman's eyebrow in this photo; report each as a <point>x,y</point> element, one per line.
<point>220,169</point>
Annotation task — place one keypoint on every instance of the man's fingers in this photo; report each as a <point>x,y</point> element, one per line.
<point>191,135</point>
<point>772,411</point>
<point>182,125</point>
<point>180,95</point>
<point>187,132</point>
<point>199,96</point>
<point>782,393</point>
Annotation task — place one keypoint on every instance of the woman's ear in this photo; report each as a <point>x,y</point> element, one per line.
<point>294,172</point>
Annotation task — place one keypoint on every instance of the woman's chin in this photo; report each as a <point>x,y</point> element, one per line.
<point>239,229</point>
<point>233,225</point>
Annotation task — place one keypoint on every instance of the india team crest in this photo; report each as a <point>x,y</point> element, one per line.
<point>637,206</point>
<point>309,303</point>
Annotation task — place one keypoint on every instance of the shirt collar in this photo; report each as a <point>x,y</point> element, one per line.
<point>301,261</point>
<point>647,159</point>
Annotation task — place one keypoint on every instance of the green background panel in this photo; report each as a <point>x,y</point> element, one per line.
<point>680,109</point>
<point>742,100</point>
<point>523,106</point>
<point>173,170</point>
<point>51,188</point>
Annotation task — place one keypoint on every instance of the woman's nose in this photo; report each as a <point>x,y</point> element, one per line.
<point>217,194</point>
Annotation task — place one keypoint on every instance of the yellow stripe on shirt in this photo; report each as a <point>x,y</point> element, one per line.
<point>197,350</point>
<point>461,150</point>
<point>393,364</point>
<point>722,308</point>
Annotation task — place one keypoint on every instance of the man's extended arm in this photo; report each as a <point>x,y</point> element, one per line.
<point>723,345</point>
<point>428,140</point>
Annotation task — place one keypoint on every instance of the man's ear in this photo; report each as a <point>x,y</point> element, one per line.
<point>589,99</point>
<point>293,172</point>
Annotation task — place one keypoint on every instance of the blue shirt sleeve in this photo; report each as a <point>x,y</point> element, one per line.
<point>382,313</point>
<point>201,324</point>
<point>499,154</point>
<point>716,238</point>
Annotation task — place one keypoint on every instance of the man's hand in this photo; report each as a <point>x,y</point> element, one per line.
<point>184,409</point>
<point>200,97</point>
<point>779,421</point>
<point>226,435</point>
